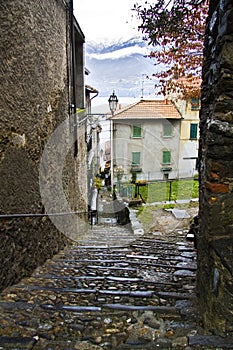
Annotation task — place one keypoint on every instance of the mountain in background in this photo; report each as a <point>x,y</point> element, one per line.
<point>121,66</point>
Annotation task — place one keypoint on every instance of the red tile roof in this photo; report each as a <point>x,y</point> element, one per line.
<point>148,109</point>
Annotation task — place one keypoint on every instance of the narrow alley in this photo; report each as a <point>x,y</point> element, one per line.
<point>111,290</point>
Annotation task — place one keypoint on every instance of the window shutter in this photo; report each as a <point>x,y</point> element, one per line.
<point>193,131</point>
<point>167,130</point>
<point>136,158</point>
<point>137,131</point>
<point>195,104</point>
<point>166,157</point>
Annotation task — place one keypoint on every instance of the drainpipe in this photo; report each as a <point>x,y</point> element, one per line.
<point>73,76</point>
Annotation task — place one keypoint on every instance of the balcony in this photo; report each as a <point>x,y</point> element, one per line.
<point>135,168</point>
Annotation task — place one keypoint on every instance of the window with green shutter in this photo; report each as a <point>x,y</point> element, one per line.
<point>166,157</point>
<point>137,131</point>
<point>167,130</point>
<point>136,158</point>
<point>195,104</point>
<point>193,131</point>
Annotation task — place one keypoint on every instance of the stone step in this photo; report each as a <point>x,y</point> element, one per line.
<point>11,342</point>
<point>216,342</point>
<point>135,293</point>
<point>106,293</point>
<point>177,296</point>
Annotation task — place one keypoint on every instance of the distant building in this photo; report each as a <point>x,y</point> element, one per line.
<point>107,151</point>
<point>146,138</point>
<point>93,129</point>
<point>188,103</point>
<point>189,137</point>
<point>156,139</point>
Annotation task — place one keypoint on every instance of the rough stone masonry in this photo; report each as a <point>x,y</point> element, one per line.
<point>215,241</point>
<point>35,96</point>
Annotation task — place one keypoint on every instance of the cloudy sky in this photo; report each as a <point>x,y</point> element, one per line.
<point>106,20</point>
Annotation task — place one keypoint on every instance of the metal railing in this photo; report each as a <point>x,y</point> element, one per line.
<point>160,191</point>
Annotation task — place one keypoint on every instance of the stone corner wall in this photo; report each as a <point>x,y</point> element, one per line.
<point>215,241</point>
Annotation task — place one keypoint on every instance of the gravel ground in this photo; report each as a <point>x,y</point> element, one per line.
<point>158,221</point>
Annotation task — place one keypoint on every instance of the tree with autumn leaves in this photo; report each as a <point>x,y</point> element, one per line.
<point>175,28</point>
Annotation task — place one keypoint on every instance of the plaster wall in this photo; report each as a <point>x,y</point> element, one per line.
<point>151,146</point>
<point>35,96</point>
<point>188,152</point>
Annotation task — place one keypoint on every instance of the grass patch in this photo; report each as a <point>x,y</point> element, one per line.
<point>145,216</point>
<point>146,213</point>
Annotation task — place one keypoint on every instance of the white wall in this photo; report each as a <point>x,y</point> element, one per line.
<point>151,147</point>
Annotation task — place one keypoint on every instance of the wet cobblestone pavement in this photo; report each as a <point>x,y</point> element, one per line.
<point>111,290</point>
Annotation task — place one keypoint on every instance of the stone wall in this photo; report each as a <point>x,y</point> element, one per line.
<point>215,241</point>
<point>35,96</point>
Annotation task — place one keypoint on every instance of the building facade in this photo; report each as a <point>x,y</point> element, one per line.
<point>157,139</point>
<point>146,140</point>
<point>43,148</point>
<point>189,137</point>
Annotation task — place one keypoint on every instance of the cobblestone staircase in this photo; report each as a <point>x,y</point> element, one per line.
<point>109,291</point>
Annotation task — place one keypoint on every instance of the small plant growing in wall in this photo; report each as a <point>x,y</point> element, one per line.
<point>98,182</point>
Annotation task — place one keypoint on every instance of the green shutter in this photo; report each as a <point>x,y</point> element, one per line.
<point>137,131</point>
<point>166,157</point>
<point>136,158</point>
<point>195,104</point>
<point>193,131</point>
<point>167,130</point>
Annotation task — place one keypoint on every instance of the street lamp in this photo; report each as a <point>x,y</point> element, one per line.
<point>113,106</point>
<point>113,102</point>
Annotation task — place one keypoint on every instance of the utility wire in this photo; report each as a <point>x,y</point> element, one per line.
<point>14,216</point>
